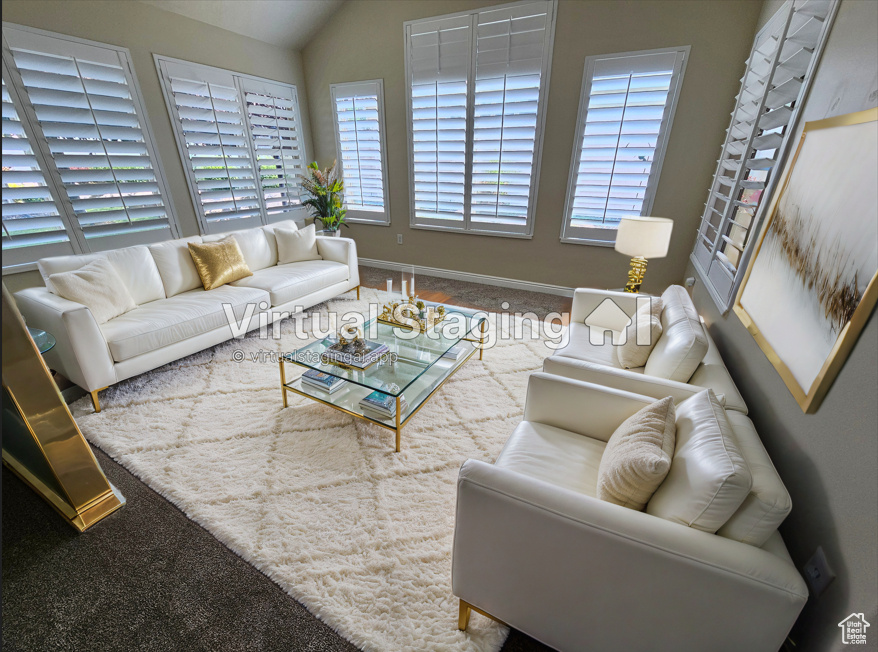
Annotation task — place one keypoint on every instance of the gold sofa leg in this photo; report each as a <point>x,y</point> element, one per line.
<point>94,398</point>
<point>463,618</point>
<point>358,293</point>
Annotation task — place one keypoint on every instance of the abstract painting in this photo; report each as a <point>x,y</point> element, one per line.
<point>811,284</point>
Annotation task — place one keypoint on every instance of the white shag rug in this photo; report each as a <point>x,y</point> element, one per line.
<point>312,497</point>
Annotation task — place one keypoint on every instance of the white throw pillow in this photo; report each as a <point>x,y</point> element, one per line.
<point>641,335</point>
<point>638,456</point>
<point>709,478</point>
<point>97,286</point>
<point>297,246</point>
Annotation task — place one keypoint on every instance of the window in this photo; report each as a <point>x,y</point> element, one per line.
<point>625,115</point>
<point>359,138</point>
<point>80,169</point>
<point>477,84</point>
<point>774,85</point>
<point>239,138</point>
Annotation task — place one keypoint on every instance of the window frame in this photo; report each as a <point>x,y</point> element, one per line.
<point>542,104</point>
<point>298,213</point>
<point>568,232</point>
<point>30,124</point>
<point>375,218</point>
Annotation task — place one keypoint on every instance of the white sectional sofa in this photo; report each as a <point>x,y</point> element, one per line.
<point>684,358</point>
<point>175,317</point>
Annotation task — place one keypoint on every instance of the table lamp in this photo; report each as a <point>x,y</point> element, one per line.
<point>642,238</point>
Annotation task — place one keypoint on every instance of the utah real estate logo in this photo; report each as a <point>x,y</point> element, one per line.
<point>853,630</point>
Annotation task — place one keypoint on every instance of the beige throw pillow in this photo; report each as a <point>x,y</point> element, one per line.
<point>638,456</point>
<point>97,286</point>
<point>296,246</point>
<point>641,335</point>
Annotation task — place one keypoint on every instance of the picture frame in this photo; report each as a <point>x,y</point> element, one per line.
<point>812,282</point>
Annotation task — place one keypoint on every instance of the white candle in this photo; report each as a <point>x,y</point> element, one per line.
<point>390,285</point>
<point>413,287</point>
<point>404,289</point>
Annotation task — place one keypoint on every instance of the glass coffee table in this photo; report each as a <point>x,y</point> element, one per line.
<point>411,372</point>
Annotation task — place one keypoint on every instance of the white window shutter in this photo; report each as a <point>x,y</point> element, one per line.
<point>359,130</point>
<point>210,126</point>
<point>626,111</point>
<point>275,133</point>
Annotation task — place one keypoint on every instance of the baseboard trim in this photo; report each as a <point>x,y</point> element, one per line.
<point>483,279</point>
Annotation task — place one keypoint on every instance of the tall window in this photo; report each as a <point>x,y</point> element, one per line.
<point>625,114</point>
<point>477,87</point>
<point>359,138</point>
<point>239,138</point>
<point>80,172</point>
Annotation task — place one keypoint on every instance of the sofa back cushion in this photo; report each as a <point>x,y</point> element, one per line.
<point>768,503</point>
<point>709,477</point>
<point>682,345</point>
<point>175,265</point>
<point>255,246</point>
<point>297,246</point>
<point>134,265</point>
<point>641,335</point>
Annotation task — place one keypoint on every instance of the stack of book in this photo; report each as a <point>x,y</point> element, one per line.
<point>382,406</point>
<point>313,379</point>
<point>454,353</point>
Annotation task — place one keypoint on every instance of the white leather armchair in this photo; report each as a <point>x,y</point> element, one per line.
<point>535,548</point>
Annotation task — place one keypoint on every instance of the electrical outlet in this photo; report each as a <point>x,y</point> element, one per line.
<point>690,281</point>
<point>818,574</point>
<point>399,238</point>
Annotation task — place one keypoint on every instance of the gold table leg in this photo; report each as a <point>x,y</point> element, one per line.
<point>283,382</point>
<point>398,427</point>
<point>358,292</point>
<point>482,328</point>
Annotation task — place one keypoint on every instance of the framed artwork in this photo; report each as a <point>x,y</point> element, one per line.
<point>811,283</point>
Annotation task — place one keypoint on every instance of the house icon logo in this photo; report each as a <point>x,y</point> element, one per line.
<point>853,630</point>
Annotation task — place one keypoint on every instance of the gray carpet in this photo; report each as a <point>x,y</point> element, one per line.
<point>148,578</point>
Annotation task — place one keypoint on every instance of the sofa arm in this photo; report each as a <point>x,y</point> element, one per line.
<point>574,572</point>
<point>587,300</point>
<point>341,250</point>
<point>81,353</point>
<point>575,406</point>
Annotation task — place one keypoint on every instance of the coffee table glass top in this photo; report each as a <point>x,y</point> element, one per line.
<point>408,359</point>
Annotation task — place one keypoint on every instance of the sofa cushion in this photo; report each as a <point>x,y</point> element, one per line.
<point>712,373</point>
<point>683,344</point>
<point>641,335</point>
<point>559,457</point>
<point>134,265</point>
<point>98,286</point>
<point>768,503</point>
<point>256,248</point>
<point>219,263</point>
<point>297,246</point>
<point>709,477</point>
<point>285,283</point>
<point>638,456</point>
<point>579,345</point>
<point>175,265</point>
<point>167,321</point>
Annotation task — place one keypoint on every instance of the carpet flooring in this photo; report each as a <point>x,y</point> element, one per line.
<point>147,578</point>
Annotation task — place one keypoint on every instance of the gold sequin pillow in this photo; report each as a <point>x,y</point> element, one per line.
<point>218,263</point>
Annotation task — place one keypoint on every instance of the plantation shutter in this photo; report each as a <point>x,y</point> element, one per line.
<point>439,65</point>
<point>273,116</point>
<point>510,49</point>
<point>32,224</point>
<point>625,115</point>
<point>359,122</point>
<point>92,124</point>
<point>214,142</point>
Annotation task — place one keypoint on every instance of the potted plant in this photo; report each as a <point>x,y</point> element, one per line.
<point>325,197</point>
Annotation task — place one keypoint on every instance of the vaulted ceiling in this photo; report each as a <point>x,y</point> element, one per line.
<point>286,23</point>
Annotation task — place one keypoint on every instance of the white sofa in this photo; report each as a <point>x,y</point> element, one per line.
<point>175,317</point>
<point>535,548</point>
<point>684,357</point>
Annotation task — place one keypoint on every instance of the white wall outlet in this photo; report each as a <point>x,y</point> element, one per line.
<point>689,282</point>
<point>399,238</point>
<point>818,574</point>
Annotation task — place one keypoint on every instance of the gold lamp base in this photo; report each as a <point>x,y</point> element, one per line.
<point>635,274</point>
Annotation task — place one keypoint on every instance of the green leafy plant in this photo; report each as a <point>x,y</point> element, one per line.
<point>325,192</point>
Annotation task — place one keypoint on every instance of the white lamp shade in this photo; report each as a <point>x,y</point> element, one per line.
<point>645,237</point>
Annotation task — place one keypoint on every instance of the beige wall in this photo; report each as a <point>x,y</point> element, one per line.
<point>146,30</point>
<point>364,40</point>
<point>827,460</point>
